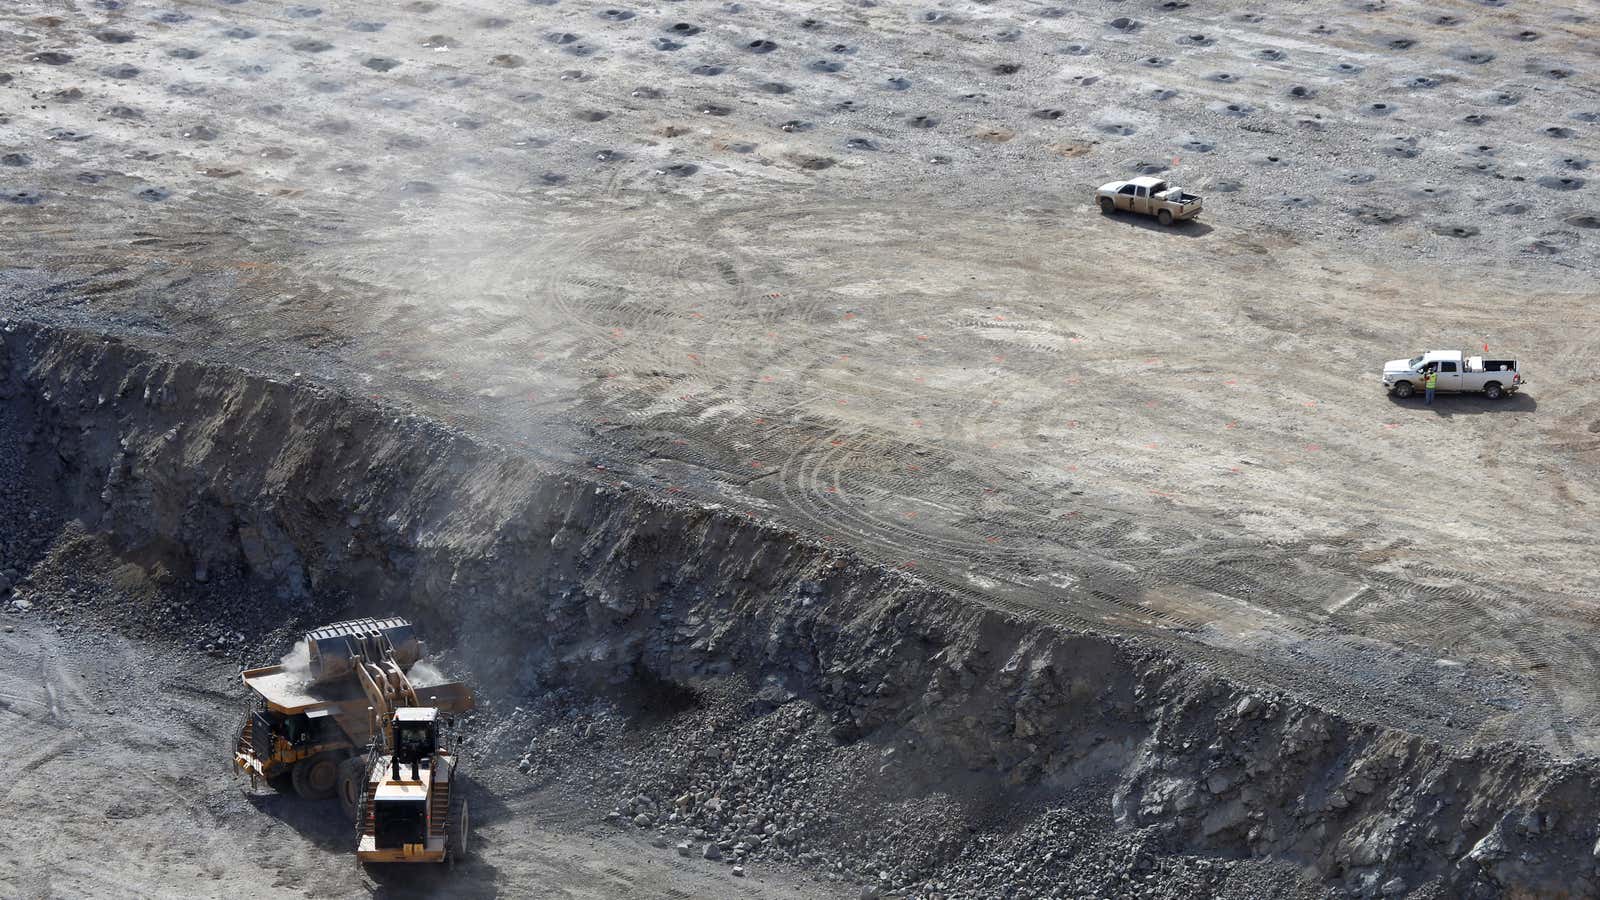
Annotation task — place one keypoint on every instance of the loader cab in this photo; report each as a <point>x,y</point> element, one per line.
<point>400,805</point>
<point>416,738</point>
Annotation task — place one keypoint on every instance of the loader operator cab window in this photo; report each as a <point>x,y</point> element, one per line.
<point>413,740</point>
<point>414,743</point>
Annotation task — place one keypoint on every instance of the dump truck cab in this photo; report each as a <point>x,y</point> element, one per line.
<point>287,749</point>
<point>299,731</point>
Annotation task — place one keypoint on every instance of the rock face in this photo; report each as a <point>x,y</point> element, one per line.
<point>548,577</point>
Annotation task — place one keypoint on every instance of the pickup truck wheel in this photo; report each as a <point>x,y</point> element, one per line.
<point>1107,205</point>
<point>1493,391</point>
<point>1164,217</point>
<point>1403,389</point>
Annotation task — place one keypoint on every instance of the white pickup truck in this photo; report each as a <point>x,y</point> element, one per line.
<point>1150,196</point>
<point>1494,378</point>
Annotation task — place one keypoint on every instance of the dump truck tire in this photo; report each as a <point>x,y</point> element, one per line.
<point>352,774</point>
<point>317,778</point>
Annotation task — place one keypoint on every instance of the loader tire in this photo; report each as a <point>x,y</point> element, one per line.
<point>317,778</point>
<point>460,834</point>
<point>283,782</point>
<point>352,781</point>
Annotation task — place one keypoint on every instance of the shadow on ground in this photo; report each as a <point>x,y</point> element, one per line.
<point>471,877</point>
<point>324,823</point>
<point>320,821</point>
<point>1191,228</point>
<point>1448,405</point>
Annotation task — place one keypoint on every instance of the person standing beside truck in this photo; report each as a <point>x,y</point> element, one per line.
<point>1429,383</point>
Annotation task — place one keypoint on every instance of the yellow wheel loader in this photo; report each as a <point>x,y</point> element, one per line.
<point>413,805</point>
<point>317,714</point>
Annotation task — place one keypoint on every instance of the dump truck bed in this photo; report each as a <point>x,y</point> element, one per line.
<point>291,693</point>
<point>451,697</point>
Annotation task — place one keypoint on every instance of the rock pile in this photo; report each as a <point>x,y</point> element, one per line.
<point>737,781</point>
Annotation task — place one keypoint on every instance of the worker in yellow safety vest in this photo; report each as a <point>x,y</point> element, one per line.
<point>1428,384</point>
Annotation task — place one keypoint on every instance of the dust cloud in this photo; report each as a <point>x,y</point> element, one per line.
<point>424,673</point>
<point>297,662</point>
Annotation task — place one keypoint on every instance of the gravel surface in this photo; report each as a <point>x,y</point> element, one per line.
<point>498,302</point>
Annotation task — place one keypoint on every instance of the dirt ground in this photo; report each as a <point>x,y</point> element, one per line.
<point>853,282</point>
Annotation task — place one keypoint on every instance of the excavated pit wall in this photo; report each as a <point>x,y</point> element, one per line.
<point>544,576</point>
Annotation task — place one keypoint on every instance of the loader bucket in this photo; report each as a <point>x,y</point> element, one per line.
<point>333,648</point>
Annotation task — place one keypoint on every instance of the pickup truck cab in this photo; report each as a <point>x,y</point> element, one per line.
<point>1150,197</point>
<point>1494,378</point>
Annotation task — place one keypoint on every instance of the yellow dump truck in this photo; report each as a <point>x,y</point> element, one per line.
<point>316,715</point>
